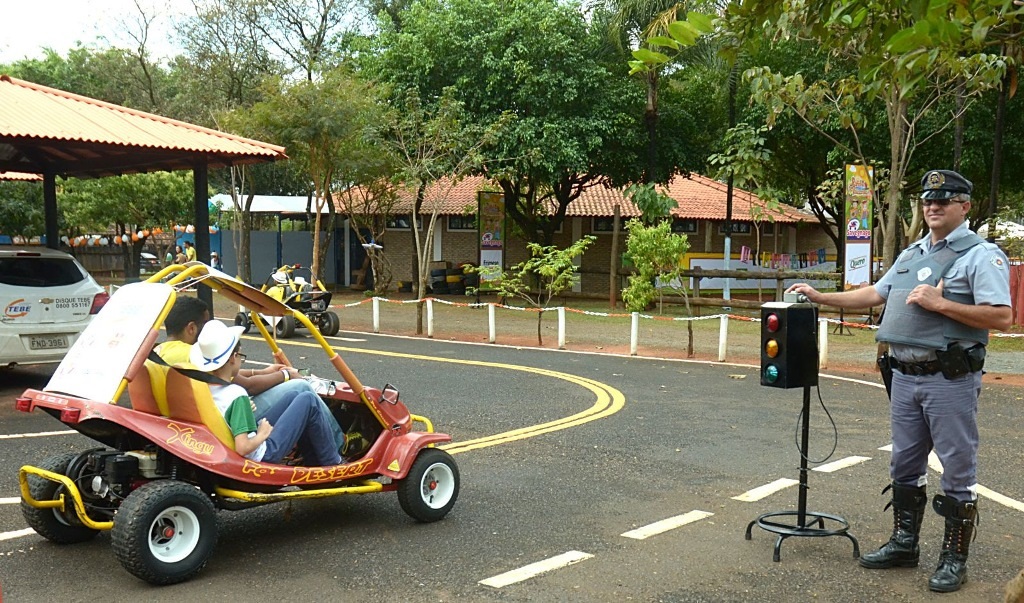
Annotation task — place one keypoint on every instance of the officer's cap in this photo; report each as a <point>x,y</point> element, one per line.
<point>944,184</point>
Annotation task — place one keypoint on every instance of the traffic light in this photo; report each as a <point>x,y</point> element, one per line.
<point>789,351</point>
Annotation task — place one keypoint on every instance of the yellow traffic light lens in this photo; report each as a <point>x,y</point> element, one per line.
<point>771,348</point>
<point>771,373</point>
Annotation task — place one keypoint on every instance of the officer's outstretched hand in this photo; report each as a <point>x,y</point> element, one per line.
<point>813,295</point>
<point>926,296</point>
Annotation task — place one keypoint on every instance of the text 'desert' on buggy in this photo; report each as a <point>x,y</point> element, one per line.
<point>167,460</point>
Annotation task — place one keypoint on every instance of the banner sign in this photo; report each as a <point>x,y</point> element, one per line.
<point>491,218</point>
<point>859,215</point>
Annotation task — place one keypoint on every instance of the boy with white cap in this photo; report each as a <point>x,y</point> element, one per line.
<point>294,422</point>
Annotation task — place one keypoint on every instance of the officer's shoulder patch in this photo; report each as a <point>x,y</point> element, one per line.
<point>997,261</point>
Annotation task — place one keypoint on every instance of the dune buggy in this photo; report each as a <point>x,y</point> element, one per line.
<point>167,462</point>
<point>301,291</point>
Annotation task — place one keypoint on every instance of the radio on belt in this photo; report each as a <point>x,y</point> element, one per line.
<point>789,351</point>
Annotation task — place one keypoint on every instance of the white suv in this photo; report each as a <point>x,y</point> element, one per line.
<point>47,299</point>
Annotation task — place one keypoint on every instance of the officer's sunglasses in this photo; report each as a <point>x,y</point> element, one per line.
<point>939,202</point>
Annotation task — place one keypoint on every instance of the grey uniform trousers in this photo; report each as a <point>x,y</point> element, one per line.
<point>928,412</point>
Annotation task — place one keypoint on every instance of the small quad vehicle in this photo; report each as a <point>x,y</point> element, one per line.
<point>166,460</point>
<point>297,288</point>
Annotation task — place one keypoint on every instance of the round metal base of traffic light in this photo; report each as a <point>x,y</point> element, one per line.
<point>765,522</point>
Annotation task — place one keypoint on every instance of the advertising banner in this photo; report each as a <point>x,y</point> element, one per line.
<point>859,217</point>
<point>491,217</point>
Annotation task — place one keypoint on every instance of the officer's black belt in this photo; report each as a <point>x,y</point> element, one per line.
<point>916,368</point>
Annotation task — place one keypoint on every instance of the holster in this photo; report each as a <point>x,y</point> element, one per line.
<point>885,367</point>
<point>957,362</point>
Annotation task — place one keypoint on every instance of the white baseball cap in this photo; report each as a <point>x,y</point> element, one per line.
<point>215,344</point>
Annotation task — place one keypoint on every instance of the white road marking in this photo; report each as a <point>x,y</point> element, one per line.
<point>535,569</point>
<point>39,434</point>
<point>665,525</point>
<point>849,461</point>
<point>10,501</point>
<point>887,448</point>
<point>766,490</point>
<point>934,463</point>
<point>16,534</point>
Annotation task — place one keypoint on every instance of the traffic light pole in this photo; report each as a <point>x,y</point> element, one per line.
<point>803,527</point>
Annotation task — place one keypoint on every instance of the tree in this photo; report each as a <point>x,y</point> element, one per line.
<point>21,209</point>
<point>546,274</point>
<point>909,80</point>
<point>573,124</point>
<point>433,151</point>
<point>323,126</point>
<point>131,204</point>
<point>306,32</point>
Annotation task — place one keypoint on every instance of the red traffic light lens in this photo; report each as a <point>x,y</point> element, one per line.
<point>772,322</point>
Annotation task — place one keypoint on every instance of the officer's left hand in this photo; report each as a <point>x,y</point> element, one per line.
<point>926,296</point>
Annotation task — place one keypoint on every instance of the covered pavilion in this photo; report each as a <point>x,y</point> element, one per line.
<point>49,133</point>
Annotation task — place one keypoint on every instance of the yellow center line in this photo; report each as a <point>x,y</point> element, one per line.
<point>609,400</point>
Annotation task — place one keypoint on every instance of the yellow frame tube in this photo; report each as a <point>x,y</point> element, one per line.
<point>59,503</point>
<point>366,487</point>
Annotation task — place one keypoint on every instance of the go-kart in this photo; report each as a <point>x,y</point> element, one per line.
<point>167,461</point>
<point>295,290</point>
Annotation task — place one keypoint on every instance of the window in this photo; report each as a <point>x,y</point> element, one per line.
<point>39,272</point>
<point>767,228</point>
<point>684,226</point>
<point>605,224</point>
<point>738,228</point>
<point>402,222</point>
<point>463,222</point>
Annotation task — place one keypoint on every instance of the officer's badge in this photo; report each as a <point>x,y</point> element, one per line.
<point>934,181</point>
<point>997,262</point>
<point>924,273</point>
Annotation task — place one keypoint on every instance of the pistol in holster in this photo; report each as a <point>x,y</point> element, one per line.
<point>885,367</point>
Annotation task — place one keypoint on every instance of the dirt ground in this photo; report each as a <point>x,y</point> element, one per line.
<point>592,326</point>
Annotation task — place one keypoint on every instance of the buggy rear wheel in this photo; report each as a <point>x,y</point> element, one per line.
<point>60,527</point>
<point>242,320</point>
<point>428,493</point>
<point>286,327</point>
<point>165,531</point>
<point>332,324</point>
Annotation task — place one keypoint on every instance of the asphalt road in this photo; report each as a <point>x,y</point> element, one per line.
<point>645,441</point>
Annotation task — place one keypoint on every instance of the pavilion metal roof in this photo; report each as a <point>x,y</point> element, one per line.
<point>44,130</point>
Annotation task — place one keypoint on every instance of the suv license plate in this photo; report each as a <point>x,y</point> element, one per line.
<point>47,342</point>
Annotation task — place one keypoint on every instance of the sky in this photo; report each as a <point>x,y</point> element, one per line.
<point>31,25</point>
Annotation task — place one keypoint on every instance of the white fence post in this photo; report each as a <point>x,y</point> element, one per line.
<point>634,333</point>
<point>491,336</point>
<point>723,337</point>
<point>822,343</point>
<point>561,327</point>
<point>376,315</point>
<point>430,317</point>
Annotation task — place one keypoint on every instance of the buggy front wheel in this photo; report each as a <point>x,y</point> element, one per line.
<point>165,531</point>
<point>428,493</point>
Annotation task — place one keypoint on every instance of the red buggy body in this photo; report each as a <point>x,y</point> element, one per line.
<point>168,459</point>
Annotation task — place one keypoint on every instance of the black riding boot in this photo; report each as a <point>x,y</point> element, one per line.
<point>961,518</point>
<point>908,503</point>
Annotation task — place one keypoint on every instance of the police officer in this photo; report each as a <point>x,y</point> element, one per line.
<point>943,295</point>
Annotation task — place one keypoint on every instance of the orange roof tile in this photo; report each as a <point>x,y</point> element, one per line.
<point>699,197</point>
<point>44,128</point>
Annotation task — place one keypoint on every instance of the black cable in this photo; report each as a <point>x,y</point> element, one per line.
<point>835,432</point>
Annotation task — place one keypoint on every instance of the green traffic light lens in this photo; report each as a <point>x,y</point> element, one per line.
<point>771,373</point>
